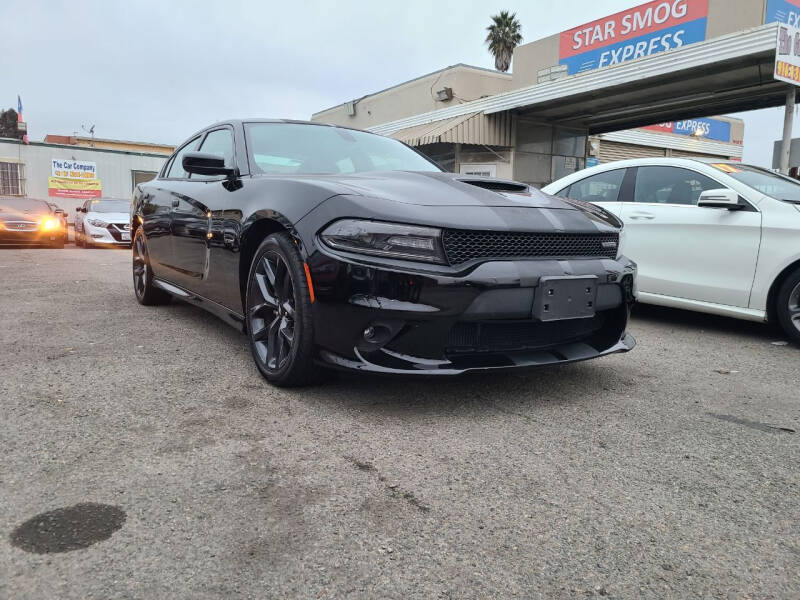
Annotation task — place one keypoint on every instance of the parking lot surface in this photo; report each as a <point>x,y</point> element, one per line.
<point>177,472</point>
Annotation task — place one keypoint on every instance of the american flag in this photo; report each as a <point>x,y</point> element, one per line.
<point>19,116</point>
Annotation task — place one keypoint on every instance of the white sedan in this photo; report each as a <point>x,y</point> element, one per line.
<point>712,236</point>
<point>103,222</point>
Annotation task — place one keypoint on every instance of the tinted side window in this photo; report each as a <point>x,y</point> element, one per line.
<point>220,143</point>
<point>563,193</point>
<point>671,185</point>
<point>603,187</point>
<point>176,168</point>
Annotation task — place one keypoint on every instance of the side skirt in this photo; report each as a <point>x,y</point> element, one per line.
<point>748,314</point>
<point>229,316</point>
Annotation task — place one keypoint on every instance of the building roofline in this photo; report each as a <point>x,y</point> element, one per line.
<point>82,148</point>
<point>91,139</point>
<point>397,85</point>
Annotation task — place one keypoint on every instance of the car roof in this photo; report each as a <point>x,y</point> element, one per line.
<point>239,122</point>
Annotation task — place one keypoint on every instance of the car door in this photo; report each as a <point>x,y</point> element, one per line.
<point>687,251</point>
<point>602,189</point>
<point>193,204</point>
<point>157,207</point>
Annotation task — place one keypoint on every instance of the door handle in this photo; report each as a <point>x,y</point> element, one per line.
<point>642,215</point>
<point>176,203</point>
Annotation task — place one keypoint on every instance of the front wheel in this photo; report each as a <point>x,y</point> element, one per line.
<point>278,313</point>
<point>146,292</point>
<point>788,306</point>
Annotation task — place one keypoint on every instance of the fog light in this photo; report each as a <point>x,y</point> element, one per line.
<point>369,333</point>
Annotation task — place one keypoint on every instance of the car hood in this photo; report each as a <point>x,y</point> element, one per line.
<point>436,189</point>
<point>109,217</point>
<point>23,215</point>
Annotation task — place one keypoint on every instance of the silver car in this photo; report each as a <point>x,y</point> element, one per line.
<point>103,222</point>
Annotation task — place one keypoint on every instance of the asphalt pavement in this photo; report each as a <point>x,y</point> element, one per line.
<point>144,457</point>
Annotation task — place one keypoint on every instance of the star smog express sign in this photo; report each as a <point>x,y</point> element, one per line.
<point>783,11</point>
<point>641,31</point>
<point>787,55</point>
<point>710,129</point>
<point>74,179</point>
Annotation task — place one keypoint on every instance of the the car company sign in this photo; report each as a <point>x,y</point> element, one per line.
<point>787,55</point>
<point>74,179</point>
<point>641,31</point>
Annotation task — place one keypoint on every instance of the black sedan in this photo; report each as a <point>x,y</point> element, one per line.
<point>29,222</point>
<point>332,247</point>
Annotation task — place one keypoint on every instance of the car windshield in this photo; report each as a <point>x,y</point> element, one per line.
<point>110,206</point>
<point>298,148</point>
<point>23,204</point>
<point>766,182</point>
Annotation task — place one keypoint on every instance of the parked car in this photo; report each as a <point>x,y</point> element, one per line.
<point>707,235</point>
<point>61,215</point>
<point>337,247</point>
<point>103,222</point>
<point>29,222</point>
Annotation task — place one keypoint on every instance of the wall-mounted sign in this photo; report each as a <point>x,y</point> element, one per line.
<point>783,11</point>
<point>787,55</point>
<point>709,129</point>
<point>74,179</point>
<point>641,31</point>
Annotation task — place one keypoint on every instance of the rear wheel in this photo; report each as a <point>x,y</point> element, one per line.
<point>278,314</point>
<point>788,306</point>
<point>146,292</point>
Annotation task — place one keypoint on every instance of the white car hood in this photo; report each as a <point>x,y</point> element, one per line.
<point>117,218</point>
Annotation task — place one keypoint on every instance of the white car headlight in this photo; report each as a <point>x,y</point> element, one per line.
<point>97,223</point>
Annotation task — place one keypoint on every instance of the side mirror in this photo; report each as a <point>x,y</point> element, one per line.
<point>721,198</point>
<point>202,163</point>
<point>59,211</point>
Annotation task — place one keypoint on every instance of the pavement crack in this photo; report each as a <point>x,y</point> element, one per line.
<point>394,490</point>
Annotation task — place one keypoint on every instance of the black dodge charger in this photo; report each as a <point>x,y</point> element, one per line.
<point>336,247</point>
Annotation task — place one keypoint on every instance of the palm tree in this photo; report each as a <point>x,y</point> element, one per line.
<point>504,35</point>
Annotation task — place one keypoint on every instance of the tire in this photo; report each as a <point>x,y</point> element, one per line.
<point>146,293</point>
<point>788,306</point>
<point>278,315</point>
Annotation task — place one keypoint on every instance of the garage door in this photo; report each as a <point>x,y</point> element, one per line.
<point>611,151</point>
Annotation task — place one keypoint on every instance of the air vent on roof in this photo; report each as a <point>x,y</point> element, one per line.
<point>497,186</point>
<point>350,108</point>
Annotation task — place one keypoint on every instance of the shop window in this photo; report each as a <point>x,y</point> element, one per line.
<point>12,179</point>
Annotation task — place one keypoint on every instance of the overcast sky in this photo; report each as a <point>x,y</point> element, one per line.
<point>159,70</point>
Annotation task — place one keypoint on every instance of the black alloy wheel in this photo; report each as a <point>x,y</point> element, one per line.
<point>788,305</point>
<point>146,293</point>
<point>279,320</point>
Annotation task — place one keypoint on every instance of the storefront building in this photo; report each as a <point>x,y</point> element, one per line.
<point>69,174</point>
<point>639,83</point>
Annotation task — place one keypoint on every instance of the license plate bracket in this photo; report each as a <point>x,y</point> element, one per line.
<point>565,297</point>
<point>125,236</point>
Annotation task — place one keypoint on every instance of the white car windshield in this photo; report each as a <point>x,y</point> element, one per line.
<point>298,148</point>
<point>110,206</point>
<point>766,182</point>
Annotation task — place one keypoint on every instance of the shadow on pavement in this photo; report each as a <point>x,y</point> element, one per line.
<point>676,317</point>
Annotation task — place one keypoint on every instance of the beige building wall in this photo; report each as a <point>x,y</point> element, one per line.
<point>418,96</point>
<point>724,16</point>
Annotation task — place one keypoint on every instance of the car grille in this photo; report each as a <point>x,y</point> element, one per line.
<point>461,245</point>
<point>469,337</point>
<point>116,229</point>
<point>21,225</point>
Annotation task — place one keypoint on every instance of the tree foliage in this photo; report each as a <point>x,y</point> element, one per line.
<point>504,35</point>
<point>8,124</point>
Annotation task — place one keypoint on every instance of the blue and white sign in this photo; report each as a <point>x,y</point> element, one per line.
<point>783,11</point>
<point>710,129</point>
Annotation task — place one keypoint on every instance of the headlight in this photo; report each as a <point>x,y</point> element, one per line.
<point>385,239</point>
<point>49,224</point>
<point>97,223</point>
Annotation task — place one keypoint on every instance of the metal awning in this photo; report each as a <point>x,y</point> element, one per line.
<point>471,128</point>
<point>729,73</point>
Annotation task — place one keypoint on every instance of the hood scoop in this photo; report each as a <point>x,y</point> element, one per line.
<point>497,185</point>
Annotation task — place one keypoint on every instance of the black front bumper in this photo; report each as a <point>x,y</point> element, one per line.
<point>389,319</point>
